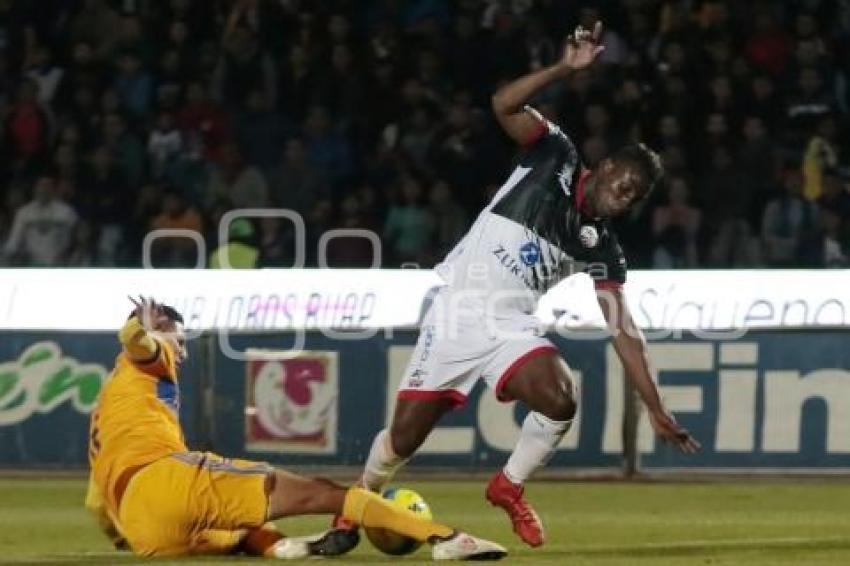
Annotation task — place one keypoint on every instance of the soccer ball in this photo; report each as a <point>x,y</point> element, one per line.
<point>390,542</point>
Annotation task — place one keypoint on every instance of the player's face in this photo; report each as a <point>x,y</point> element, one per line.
<point>175,335</point>
<point>617,186</point>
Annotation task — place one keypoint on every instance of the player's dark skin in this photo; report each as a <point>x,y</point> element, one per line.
<point>544,383</point>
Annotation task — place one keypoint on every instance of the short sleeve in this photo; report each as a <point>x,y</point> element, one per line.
<point>547,131</point>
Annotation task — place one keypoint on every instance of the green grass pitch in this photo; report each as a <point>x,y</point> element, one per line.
<point>752,523</point>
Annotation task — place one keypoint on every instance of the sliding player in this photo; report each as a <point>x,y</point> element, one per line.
<point>162,499</point>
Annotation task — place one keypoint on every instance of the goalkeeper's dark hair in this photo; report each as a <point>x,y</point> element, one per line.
<point>646,161</point>
<point>169,312</point>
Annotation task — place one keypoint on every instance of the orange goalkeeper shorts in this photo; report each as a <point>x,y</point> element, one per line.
<point>193,503</point>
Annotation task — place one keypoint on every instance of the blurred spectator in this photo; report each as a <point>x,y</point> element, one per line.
<point>133,85</point>
<point>164,144</point>
<point>765,101</point>
<point>27,125</point>
<point>239,182</point>
<point>409,226</point>
<point>126,149</point>
<point>594,150</point>
<point>239,251</point>
<point>454,154</point>
<point>204,123</point>
<point>450,221</point>
<point>297,80</point>
<point>177,214</point>
<point>46,75</point>
<point>675,227</point>
<point>83,249</point>
<point>327,149</point>
<point>821,153</point>
<point>131,39</point>
<point>726,200</point>
<point>260,130</point>
<point>768,46</point>
<point>354,250</point>
<point>168,88</point>
<point>342,90</point>
<point>827,246</point>
<point>297,184</point>
<point>98,25</point>
<point>104,201</point>
<point>417,135</point>
<point>276,245</point>
<point>41,230</point>
<point>244,64</point>
<point>758,155</point>
<point>85,73</point>
<point>68,171</point>
<point>787,219</point>
<point>809,101</point>
<point>835,195</point>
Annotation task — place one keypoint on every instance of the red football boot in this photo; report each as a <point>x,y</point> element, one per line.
<point>502,493</point>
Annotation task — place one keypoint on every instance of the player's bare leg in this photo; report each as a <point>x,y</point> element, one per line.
<point>544,385</point>
<point>290,494</point>
<point>413,421</point>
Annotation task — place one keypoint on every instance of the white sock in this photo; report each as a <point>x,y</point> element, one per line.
<point>382,463</point>
<point>289,549</point>
<point>536,445</point>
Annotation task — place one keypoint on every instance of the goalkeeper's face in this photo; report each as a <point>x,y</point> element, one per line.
<point>175,335</point>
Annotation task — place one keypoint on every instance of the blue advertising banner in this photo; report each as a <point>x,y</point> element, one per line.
<point>768,400</point>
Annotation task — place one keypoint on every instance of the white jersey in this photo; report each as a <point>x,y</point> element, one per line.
<point>532,235</point>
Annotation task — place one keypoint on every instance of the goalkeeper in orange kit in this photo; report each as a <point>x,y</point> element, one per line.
<point>153,494</point>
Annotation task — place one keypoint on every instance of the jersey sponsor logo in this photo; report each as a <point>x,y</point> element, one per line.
<point>529,253</point>
<point>513,265</point>
<point>42,378</point>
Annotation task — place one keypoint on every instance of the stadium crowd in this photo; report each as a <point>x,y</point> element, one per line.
<point>125,116</point>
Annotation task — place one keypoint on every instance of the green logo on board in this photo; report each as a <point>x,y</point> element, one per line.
<point>42,378</point>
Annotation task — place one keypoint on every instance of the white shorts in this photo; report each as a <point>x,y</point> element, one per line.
<point>457,345</point>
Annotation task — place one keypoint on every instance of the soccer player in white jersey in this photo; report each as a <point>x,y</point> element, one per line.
<point>550,215</point>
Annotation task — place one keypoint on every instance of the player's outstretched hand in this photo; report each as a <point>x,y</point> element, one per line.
<point>670,431</point>
<point>148,311</point>
<point>583,47</point>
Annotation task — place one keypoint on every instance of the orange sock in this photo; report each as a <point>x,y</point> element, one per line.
<point>260,540</point>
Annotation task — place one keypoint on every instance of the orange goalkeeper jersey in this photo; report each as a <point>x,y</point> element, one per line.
<point>136,419</point>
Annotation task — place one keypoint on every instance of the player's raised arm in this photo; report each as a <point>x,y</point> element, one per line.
<point>631,349</point>
<point>140,346</point>
<point>509,102</point>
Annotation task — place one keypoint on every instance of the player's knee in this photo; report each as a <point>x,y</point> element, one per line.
<point>562,407</point>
